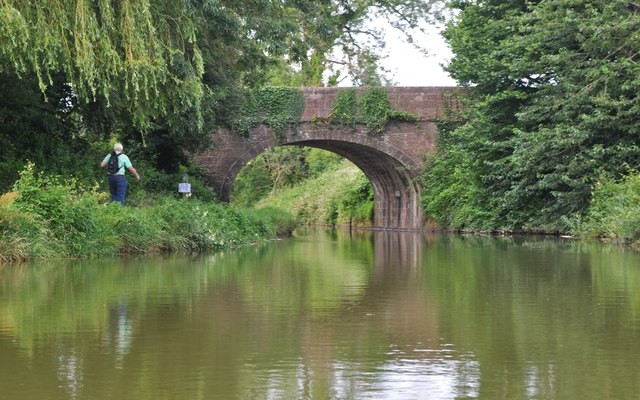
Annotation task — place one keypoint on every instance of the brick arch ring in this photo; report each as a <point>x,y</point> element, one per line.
<point>390,171</point>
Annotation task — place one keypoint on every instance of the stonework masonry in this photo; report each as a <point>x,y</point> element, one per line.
<point>391,161</point>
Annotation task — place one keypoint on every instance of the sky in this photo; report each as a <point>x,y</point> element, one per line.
<point>409,67</point>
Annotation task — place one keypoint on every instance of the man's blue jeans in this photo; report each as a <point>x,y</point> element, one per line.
<point>117,188</point>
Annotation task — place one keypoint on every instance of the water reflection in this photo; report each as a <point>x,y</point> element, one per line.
<point>329,315</point>
<point>119,332</point>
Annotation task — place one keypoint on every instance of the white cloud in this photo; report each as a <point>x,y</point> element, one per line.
<point>410,67</point>
<point>406,64</point>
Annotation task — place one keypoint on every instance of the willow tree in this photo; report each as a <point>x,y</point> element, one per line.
<point>104,47</point>
<point>154,72</point>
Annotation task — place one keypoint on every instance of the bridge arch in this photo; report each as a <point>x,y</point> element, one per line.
<point>390,171</point>
<point>391,161</point>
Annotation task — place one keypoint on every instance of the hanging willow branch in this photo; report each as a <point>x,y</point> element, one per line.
<point>105,48</point>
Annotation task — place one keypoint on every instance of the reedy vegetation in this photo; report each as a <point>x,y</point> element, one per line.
<point>314,186</point>
<point>339,196</point>
<point>51,217</point>
<point>614,212</point>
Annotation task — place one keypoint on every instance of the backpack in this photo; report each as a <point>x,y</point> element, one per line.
<point>112,164</point>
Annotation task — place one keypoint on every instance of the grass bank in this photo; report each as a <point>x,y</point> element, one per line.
<point>340,196</point>
<point>613,214</point>
<point>49,217</point>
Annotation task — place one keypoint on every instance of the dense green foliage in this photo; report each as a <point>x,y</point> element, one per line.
<point>341,195</point>
<point>553,107</point>
<point>548,132</point>
<point>279,168</point>
<point>154,58</point>
<point>370,108</point>
<point>614,212</point>
<point>275,107</point>
<point>314,186</point>
<point>51,217</point>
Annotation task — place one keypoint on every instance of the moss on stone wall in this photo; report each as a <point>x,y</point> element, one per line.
<point>276,107</point>
<point>371,109</point>
<point>282,107</point>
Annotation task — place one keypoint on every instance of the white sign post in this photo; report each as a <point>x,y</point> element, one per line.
<point>184,187</point>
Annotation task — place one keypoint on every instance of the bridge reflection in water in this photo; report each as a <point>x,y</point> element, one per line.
<point>329,314</point>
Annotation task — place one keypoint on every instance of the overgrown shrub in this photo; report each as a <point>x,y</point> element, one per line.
<point>355,206</point>
<point>338,196</point>
<point>48,217</point>
<point>280,220</point>
<point>371,108</point>
<point>21,234</point>
<point>614,212</point>
<point>276,107</point>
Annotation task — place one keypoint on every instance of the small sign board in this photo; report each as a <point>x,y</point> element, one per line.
<point>184,188</point>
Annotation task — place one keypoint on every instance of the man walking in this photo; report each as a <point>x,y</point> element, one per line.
<point>116,168</point>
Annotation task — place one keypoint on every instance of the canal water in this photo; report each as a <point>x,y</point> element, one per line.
<point>329,315</point>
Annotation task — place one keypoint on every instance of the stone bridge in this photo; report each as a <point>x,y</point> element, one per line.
<point>391,160</point>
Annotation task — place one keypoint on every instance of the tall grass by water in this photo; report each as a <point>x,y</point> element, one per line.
<point>614,212</point>
<point>341,196</point>
<point>50,217</point>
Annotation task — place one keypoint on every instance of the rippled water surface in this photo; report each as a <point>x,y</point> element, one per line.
<point>329,315</point>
